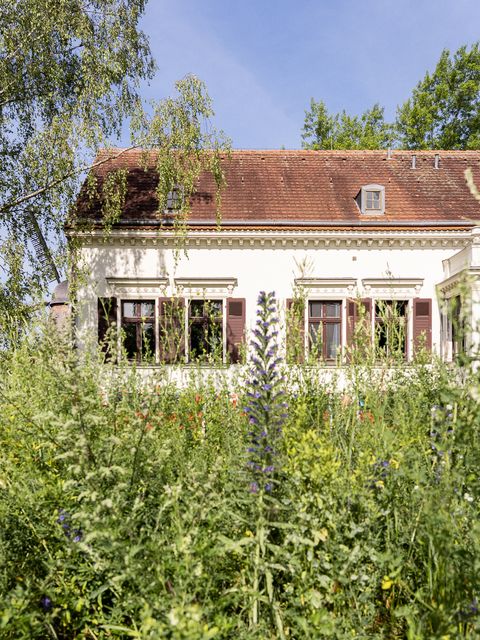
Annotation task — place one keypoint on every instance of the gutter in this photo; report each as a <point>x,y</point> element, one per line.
<point>289,223</point>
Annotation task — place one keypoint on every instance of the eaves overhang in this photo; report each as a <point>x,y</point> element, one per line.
<point>279,223</point>
<point>408,238</point>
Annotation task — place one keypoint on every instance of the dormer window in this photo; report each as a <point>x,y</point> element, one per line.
<point>174,199</point>
<point>372,199</point>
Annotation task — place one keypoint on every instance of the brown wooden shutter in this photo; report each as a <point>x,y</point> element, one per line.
<point>235,328</point>
<point>351,318</point>
<point>295,323</point>
<point>422,323</point>
<point>171,331</point>
<point>107,318</point>
<point>367,305</point>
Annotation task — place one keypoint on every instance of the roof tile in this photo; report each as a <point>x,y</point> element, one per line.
<point>302,185</point>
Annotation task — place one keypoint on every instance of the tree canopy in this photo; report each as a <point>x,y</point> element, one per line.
<point>444,109</point>
<point>69,77</point>
<point>322,130</point>
<point>70,72</point>
<point>443,112</point>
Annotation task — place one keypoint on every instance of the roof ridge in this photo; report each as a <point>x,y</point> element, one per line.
<point>334,152</point>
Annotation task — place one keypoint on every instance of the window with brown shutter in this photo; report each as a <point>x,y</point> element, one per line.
<point>235,328</point>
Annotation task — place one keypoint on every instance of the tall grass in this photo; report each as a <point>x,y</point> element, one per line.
<point>127,508</point>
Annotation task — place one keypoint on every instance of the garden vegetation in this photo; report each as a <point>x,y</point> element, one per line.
<point>265,504</point>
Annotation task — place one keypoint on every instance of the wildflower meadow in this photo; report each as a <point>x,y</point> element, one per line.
<point>266,504</point>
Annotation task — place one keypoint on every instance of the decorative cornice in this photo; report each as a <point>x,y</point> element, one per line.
<point>136,285</point>
<point>141,282</point>
<point>325,283</point>
<point>200,286</point>
<point>399,286</point>
<point>382,283</point>
<point>279,239</point>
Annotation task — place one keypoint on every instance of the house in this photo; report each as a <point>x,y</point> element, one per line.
<point>371,234</point>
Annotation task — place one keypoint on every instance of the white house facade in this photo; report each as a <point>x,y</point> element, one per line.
<point>394,234</point>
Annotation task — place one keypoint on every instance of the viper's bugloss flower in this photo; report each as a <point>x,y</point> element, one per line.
<point>266,407</point>
<point>64,519</point>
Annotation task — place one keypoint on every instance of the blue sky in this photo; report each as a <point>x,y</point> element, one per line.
<point>263,60</point>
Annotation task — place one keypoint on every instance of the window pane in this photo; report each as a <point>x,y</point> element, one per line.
<point>138,308</point>
<point>147,309</point>
<point>174,198</point>
<point>196,308</point>
<point>315,339</point>
<point>331,310</point>
<point>373,199</point>
<point>315,309</point>
<point>130,340</point>
<point>129,309</point>
<point>332,339</point>
<point>148,341</point>
<point>213,308</point>
<point>206,341</point>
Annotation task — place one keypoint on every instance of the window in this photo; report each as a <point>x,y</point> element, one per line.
<point>458,327</point>
<point>372,199</point>
<point>173,330</point>
<point>391,327</point>
<point>174,199</point>
<point>205,331</point>
<point>324,329</point>
<point>138,326</point>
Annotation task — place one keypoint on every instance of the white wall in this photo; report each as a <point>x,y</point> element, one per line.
<point>263,268</point>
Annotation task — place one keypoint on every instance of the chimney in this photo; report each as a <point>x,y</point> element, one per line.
<point>437,161</point>
<point>389,154</point>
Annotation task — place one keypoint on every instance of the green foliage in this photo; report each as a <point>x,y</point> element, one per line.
<point>69,78</point>
<point>126,510</point>
<point>69,73</point>
<point>442,113</point>
<point>322,130</point>
<point>444,110</point>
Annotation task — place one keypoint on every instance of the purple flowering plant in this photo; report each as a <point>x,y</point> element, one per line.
<point>64,520</point>
<point>266,411</point>
<point>266,408</point>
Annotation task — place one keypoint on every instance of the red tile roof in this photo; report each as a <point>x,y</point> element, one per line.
<point>266,188</point>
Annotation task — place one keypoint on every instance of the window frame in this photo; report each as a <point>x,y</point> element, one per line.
<point>137,321</point>
<point>322,321</point>
<point>364,192</point>
<point>174,200</point>
<point>379,321</point>
<point>190,321</point>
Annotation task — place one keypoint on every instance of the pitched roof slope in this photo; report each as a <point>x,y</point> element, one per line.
<point>318,187</point>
